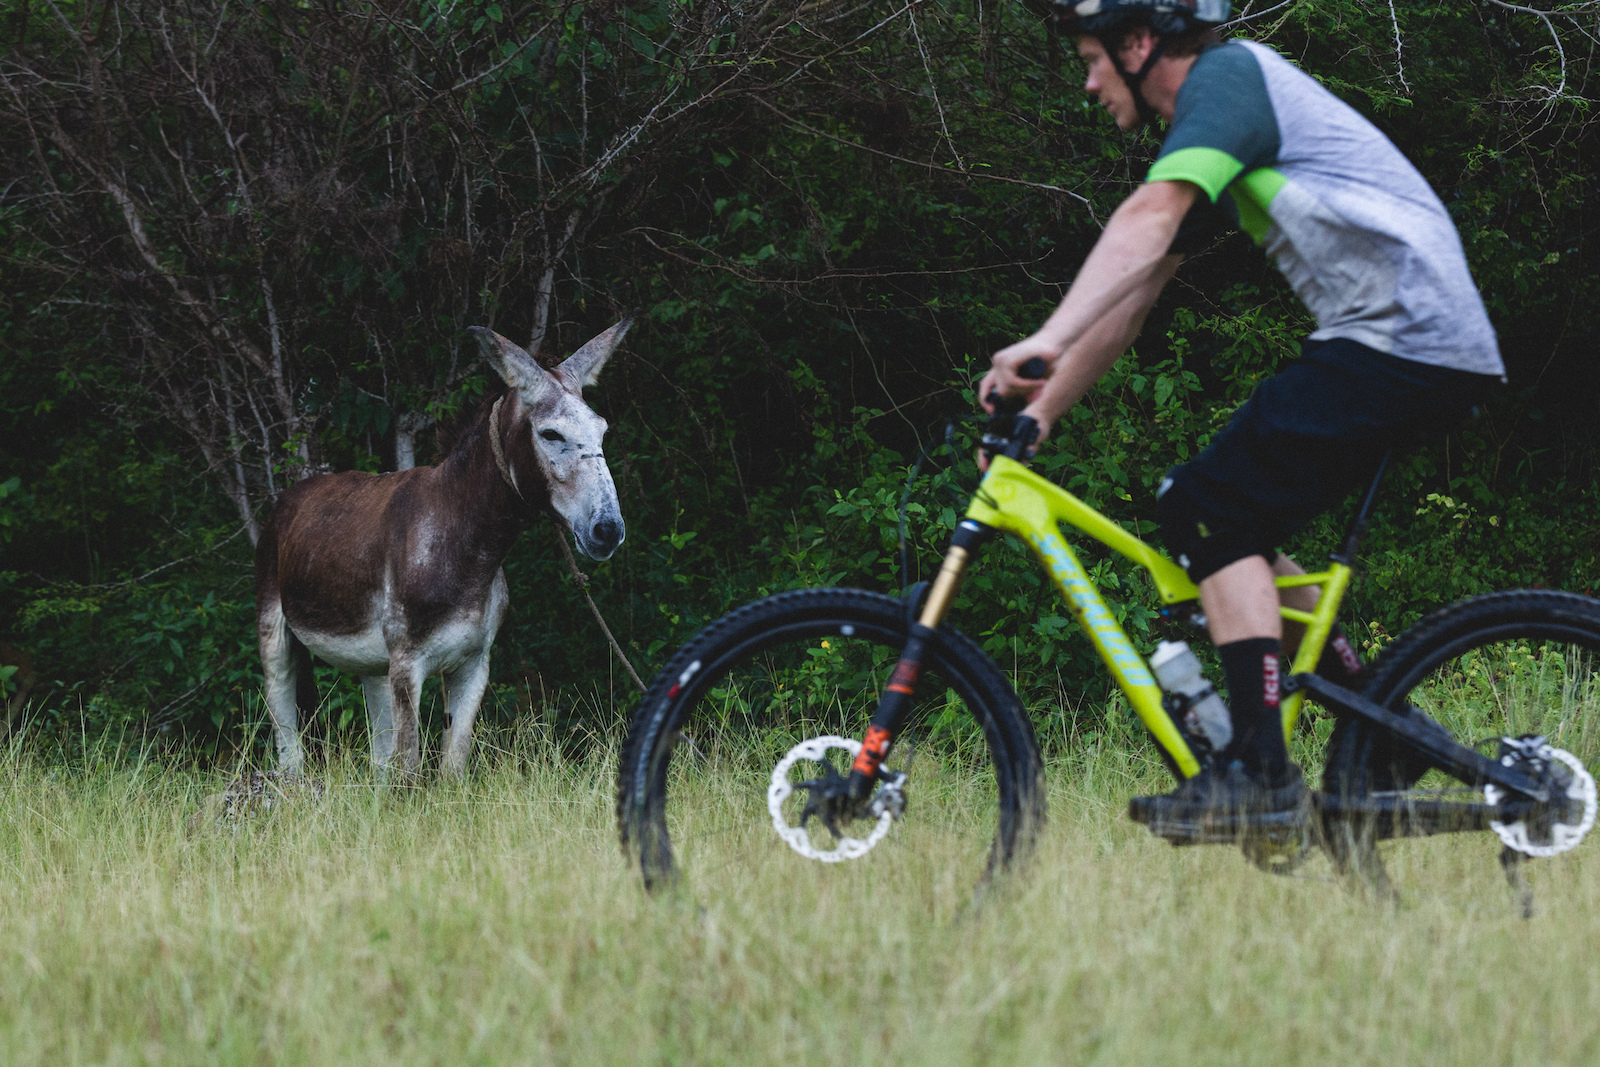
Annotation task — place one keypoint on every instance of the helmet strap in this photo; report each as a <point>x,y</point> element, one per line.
<point>1135,82</point>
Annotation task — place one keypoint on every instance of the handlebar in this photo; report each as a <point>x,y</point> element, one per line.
<point>1008,433</point>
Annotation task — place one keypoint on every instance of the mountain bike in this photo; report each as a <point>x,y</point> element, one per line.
<point>1511,672</point>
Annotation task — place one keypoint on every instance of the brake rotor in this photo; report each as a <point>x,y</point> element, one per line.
<point>815,749</point>
<point>1563,771</point>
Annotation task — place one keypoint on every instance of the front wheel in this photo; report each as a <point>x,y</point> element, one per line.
<point>731,702</point>
<point>1504,665</point>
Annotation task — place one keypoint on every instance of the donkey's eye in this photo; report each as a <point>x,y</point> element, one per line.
<point>551,435</point>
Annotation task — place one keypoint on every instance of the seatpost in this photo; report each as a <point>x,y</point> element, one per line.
<point>1358,523</point>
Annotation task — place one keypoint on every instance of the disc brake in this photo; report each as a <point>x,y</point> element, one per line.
<point>1548,834</point>
<point>887,804</point>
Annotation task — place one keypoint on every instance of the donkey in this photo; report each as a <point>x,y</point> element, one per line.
<point>394,577</point>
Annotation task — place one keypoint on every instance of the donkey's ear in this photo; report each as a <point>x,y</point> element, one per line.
<point>583,366</point>
<point>515,367</point>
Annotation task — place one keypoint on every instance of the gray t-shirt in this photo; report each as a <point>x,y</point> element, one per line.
<point>1352,225</point>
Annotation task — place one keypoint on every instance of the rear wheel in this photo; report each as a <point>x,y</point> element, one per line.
<point>1503,665</point>
<point>735,699</point>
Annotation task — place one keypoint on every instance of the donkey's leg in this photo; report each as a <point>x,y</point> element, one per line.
<point>405,685</point>
<point>281,667</point>
<point>466,686</point>
<point>380,719</point>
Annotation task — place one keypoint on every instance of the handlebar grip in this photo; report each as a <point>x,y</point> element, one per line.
<point>1034,369</point>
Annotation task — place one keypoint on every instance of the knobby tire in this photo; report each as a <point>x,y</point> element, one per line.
<point>1464,646</point>
<point>802,620</point>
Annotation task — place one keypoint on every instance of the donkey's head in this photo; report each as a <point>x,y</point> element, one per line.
<point>564,434</point>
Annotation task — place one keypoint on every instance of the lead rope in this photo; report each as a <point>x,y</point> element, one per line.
<point>582,581</point>
<point>499,452</point>
<point>578,577</point>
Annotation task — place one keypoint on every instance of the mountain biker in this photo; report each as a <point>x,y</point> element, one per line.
<point>1403,342</point>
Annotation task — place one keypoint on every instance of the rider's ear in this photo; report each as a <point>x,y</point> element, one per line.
<point>1136,48</point>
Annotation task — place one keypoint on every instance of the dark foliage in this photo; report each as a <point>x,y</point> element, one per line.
<point>241,243</point>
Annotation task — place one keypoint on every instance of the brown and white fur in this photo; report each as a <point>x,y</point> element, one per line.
<point>395,577</point>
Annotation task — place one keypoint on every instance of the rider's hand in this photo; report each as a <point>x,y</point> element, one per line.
<point>1003,378</point>
<point>1045,422</point>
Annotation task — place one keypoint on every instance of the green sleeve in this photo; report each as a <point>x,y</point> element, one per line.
<point>1210,168</point>
<point>1222,125</point>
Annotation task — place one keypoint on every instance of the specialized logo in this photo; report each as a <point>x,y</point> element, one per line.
<point>1092,610</point>
<point>1269,680</point>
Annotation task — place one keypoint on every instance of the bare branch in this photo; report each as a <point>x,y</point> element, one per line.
<point>797,124</point>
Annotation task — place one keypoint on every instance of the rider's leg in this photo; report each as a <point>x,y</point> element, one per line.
<point>1241,606</point>
<point>1307,436</point>
<point>1241,602</point>
<point>1301,598</point>
<point>1339,663</point>
<point>1230,564</point>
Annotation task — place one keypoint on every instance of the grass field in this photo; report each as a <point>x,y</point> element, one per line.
<point>494,921</point>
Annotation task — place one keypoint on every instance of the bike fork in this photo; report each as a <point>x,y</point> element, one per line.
<point>895,706</point>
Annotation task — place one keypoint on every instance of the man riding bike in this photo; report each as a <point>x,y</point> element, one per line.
<point>1403,343</point>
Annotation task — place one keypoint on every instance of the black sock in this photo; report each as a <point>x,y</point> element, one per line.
<point>1340,664</point>
<point>1252,672</point>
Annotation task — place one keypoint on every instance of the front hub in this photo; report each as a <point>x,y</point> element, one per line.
<point>829,801</point>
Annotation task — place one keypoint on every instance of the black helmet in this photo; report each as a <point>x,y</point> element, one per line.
<point>1108,20</point>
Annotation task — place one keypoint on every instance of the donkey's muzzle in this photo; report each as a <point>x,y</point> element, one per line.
<point>604,537</point>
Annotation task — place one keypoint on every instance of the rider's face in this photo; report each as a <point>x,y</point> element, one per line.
<point>1106,85</point>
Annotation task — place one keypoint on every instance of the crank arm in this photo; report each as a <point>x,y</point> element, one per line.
<point>1227,828</point>
<point>1468,765</point>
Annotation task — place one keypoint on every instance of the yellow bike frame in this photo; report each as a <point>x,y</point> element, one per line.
<point>1014,499</point>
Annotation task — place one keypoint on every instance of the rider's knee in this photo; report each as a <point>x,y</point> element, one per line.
<point>1200,541</point>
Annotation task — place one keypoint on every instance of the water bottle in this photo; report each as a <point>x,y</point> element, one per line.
<point>1201,711</point>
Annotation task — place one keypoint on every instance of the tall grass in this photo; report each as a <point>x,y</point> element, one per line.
<point>494,921</point>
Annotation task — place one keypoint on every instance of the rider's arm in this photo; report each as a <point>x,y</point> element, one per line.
<point>1087,360</point>
<point>1120,279</point>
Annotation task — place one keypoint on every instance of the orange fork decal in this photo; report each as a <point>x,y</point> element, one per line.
<point>874,747</point>
<point>904,679</point>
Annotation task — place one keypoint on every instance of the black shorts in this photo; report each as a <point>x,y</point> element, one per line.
<point>1304,440</point>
